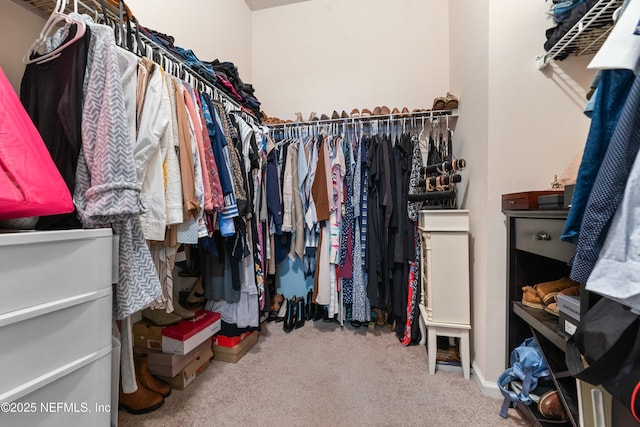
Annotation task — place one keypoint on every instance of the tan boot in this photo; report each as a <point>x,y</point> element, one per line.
<point>147,379</point>
<point>140,401</point>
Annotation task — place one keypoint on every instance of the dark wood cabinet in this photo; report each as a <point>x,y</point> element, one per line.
<point>536,254</point>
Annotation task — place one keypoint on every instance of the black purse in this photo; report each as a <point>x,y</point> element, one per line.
<point>608,341</point>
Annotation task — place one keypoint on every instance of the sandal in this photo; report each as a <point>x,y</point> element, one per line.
<point>450,102</point>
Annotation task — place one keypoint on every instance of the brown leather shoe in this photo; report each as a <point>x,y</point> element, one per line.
<point>395,111</point>
<point>335,115</point>
<point>530,298</point>
<point>550,406</point>
<point>366,112</point>
<point>344,115</point>
<point>377,111</point>
<point>384,110</point>
<point>355,113</point>
<point>548,290</point>
<point>405,112</point>
<point>146,378</point>
<point>141,401</point>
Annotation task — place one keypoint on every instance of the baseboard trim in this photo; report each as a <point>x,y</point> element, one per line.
<point>487,388</point>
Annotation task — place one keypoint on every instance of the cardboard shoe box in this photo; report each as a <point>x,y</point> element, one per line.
<point>186,335</point>
<point>170,365</point>
<point>225,341</point>
<point>147,336</point>
<point>237,352</point>
<point>569,318</point>
<point>189,374</point>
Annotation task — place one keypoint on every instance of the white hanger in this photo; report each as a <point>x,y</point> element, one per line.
<point>57,16</point>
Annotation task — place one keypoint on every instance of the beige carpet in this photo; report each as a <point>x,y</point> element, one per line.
<point>322,375</point>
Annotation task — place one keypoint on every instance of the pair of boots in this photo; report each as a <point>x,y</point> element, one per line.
<point>294,315</point>
<point>151,391</point>
<point>313,311</point>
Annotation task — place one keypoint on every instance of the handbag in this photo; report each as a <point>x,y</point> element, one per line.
<point>527,367</point>
<point>30,183</point>
<point>608,340</point>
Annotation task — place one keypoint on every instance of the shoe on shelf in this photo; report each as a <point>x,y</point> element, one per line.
<point>160,317</point>
<point>324,117</point>
<point>146,378</point>
<point>355,113</point>
<point>335,115</point>
<point>439,103</point>
<point>530,298</point>
<point>141,401</point>
<point>299,117</point>
<point>450,102</point>
<point>548,290</point>
<point>384,110</point>
<point>395,111</point>
<point>405,112</point>
<point>312,117</point>
<point>344,115</point>
<point>365,112</point>
<point>551,407</point>
<point>377,111</point>
<point>552,307</point>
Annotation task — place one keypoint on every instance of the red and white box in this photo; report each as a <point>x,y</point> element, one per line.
<point>224,341</point>
<point>186,335</point>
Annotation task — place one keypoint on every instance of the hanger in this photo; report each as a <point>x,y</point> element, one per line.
<point>57,16</point>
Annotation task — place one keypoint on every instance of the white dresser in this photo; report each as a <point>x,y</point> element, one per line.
<point>55,328</point>
<point>444,304</point>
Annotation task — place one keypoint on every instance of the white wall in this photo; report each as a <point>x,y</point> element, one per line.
<point>211,29</point>
<point>18,29</point>
<point>532,129</point>
<point>326,55</point>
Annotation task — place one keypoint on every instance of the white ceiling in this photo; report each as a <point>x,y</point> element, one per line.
<point>265,4</point>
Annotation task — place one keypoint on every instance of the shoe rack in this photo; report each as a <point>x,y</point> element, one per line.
<point>535,254</point>
<point>587,35</point>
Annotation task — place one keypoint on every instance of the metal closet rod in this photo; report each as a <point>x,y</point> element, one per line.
<point>432,114</point>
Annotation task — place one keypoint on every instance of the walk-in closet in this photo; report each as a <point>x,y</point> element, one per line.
<point>319,212</point>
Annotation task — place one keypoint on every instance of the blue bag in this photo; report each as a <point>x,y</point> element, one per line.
<point>528,366</point>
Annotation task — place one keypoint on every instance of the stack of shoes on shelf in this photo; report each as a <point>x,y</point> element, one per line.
<point>151,391</point>
<point>543,295</point>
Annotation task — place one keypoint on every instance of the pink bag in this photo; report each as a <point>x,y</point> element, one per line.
<point>30,184</point>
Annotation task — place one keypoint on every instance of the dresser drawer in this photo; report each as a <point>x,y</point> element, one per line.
<point>542,237</point>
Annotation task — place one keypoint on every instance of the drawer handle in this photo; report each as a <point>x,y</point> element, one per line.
<point>542,235</point>
<point>512,202</point>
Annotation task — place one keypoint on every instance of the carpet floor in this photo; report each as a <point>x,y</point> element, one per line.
<point>322,375</point>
